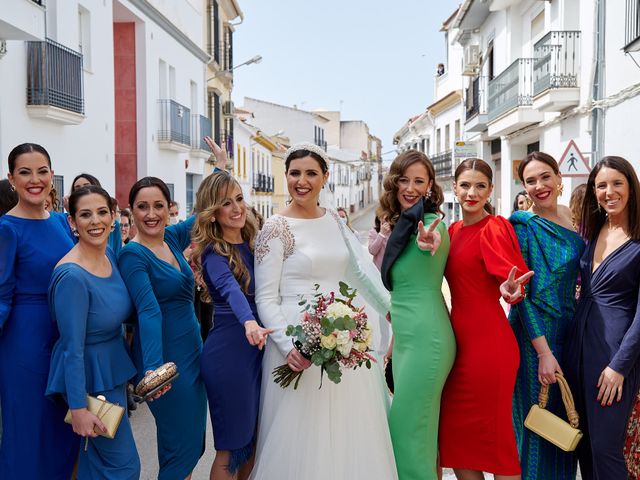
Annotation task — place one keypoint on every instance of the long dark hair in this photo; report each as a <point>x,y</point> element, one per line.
<point>8,197</point>
<point>481,166</point>
<point>146,182</point>
<point>306,153</point>
<point>521,193</point>
<point>26,148</point>
<point>88,190</point>
<point>593,218</point>
<point>389,208</point>
<point>540,157</point>
<point>90,178</point>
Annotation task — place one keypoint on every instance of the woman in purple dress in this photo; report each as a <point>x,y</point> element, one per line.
<point>603,345</point>
<point>224,236</point>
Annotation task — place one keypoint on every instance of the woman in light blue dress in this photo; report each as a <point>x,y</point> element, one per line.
<point>161,284</point>
<point>89,302</point>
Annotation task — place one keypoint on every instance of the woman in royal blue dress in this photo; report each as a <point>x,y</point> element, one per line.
<point>231,366</point>
<point>603,344</point>
<point>90,357</point>
<point>551,247</point>
<point>161,283</point>
<point>36,443</point>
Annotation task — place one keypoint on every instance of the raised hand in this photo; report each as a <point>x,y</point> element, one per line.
<point>610,387</point>
<point>218,152</point>
<point>511,288</point>
<point>428,239</point>
<point>256,335</point>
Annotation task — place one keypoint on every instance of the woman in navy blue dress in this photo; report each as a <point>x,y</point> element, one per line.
<point>603,345</point>
<point>36,443</point>
<point>161,283</point>
<point>224,237</point>
<point>90,357</point>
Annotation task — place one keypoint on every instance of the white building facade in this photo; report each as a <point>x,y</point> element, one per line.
<point>116,89</point>
<point>540,76</point>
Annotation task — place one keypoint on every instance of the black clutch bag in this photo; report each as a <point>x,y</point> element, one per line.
<point>388,375</point>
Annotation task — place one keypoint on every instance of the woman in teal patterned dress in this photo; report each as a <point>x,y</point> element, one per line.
<point>552,249</point>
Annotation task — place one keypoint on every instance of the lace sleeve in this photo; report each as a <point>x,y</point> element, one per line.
<point>275,243</point>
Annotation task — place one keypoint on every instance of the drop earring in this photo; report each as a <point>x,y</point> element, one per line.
<point>75,232</point>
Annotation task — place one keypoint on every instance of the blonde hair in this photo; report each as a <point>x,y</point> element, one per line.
<point>206,233</point>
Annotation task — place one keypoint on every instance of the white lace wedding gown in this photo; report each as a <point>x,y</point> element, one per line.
<point>339,431</point>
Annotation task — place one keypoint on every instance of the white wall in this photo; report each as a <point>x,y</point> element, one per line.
<point>89,146</point>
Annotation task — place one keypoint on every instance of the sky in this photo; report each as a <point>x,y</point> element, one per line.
<point>373,60</point>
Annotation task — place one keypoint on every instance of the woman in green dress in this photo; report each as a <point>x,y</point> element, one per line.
<point>424,345</point>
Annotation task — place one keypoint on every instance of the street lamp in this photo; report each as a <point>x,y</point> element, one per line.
<point>256,59</point>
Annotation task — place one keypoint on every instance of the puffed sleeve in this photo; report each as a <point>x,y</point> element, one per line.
<point>376,242</point>
<point>629,350</point>
<point>134,271</point>
<point>8,253</point>
<point>217,269</point>
<point>67,288</point>
<point>180,233</point>
<point>532,318</point>
<point>500,249</point>
<point>274,244</point>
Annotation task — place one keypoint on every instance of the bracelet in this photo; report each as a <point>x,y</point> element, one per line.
<point>544,354</point>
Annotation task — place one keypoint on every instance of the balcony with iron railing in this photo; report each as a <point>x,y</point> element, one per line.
<point>556,71</point>
<point>510,99</point>
<point>476,104</point>
<point>174,132</point>
<point>263,183</point>
<point>200,127</point>
<point>632,26</point>
<point>54,82</point>
<point>443,165</point>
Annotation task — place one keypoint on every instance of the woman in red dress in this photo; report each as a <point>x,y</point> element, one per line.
<point>485,263</point>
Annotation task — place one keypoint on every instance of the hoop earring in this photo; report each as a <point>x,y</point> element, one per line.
<point>13,187</point>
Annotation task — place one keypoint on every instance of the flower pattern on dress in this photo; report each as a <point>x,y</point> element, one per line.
<point>276,227</point>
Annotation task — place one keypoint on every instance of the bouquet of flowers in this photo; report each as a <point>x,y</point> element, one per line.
<point>333,334</point>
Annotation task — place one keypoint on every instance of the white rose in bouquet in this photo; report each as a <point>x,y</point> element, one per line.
<point>328,342</point>
<point>345,349</point>
<point>338,310</point>
<point>343,337</point>
<point>360,346</point>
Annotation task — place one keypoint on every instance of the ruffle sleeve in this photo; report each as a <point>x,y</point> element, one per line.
<point>500,249</point>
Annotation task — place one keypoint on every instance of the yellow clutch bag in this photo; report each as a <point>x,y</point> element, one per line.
<point>109,413</point>
<point>564,435</point>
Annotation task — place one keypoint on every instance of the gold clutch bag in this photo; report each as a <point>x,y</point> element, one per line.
<point>564,435</point>
<point>109,413</point>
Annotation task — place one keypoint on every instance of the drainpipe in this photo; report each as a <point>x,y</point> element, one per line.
<point>597,115</point>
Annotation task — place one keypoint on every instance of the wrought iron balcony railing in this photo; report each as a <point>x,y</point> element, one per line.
<point>54,76</point>
<point>200,128</point>
<point>512,88</point>
<point>632,25</point>
<point>443,164</point>
<point>174,122</point>
<point>557,61</point>
<point>476,97</point>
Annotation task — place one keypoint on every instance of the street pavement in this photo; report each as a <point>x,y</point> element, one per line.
<point>144,429</point>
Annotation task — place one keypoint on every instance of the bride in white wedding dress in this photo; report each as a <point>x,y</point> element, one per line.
<point>339,431</point>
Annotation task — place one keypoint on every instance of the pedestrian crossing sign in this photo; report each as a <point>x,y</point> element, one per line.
<point>572,163</point>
